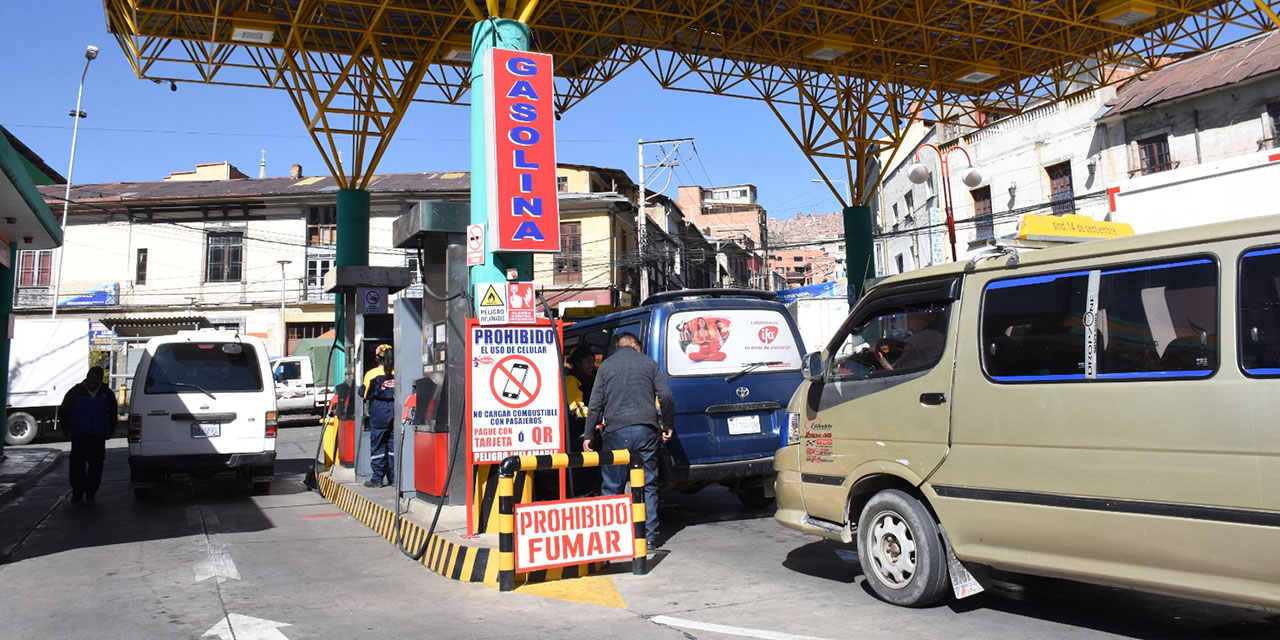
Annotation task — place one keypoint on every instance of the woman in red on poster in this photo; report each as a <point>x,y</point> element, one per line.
<point>708,341</point>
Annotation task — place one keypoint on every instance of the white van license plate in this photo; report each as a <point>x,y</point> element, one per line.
<point>739,425</point>
<point>206,430</point>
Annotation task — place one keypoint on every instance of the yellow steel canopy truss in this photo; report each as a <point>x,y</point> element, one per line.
<point>844,77</point>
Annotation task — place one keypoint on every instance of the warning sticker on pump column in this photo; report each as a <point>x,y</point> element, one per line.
<point>565,532</point>
<point>513,383</point>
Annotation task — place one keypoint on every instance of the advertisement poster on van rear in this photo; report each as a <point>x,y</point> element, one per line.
<point>725,341</point>
<point>513,391</point>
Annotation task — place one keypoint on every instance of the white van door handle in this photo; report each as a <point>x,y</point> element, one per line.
<point>933,398</point>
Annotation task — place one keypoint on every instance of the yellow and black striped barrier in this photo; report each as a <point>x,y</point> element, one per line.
<point>506,502</point>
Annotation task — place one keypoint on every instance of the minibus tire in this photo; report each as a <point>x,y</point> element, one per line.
<point>896,523</point>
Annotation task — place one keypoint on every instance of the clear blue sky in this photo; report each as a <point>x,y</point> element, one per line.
<point>137,130</point>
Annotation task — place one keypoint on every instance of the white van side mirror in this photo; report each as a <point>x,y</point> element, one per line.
<point>813,367</point>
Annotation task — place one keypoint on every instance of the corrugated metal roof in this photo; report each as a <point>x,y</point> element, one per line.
<point>1228,66</point>
<point>439,181</point>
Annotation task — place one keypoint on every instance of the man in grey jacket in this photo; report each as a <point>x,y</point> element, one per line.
<point>622,399</point>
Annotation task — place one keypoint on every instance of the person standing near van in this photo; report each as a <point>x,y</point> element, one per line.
<point>579,377</point>
<point>380,394</point>
<point>88,415</point>
<point>622,399</point>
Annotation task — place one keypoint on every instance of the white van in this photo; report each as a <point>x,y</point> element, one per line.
<point>203,402</point>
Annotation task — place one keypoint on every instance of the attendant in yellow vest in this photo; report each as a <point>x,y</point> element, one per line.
<point>379,392</point>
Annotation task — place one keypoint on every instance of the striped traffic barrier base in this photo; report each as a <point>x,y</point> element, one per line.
<point>446,558</point>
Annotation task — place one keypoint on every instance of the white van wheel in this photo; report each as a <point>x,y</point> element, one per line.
<point>900,550</point>
<point>20,429</point>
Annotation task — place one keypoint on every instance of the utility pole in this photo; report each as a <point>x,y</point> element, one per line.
<point>642,215</point>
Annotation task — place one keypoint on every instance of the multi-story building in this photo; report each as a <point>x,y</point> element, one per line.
<point>731,214</point>
<point>1164,149</point>
<point>153,257</point>
<point>804,266</point>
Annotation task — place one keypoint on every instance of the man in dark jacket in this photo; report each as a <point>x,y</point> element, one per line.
<point>88,415</point>
<point>622,399</point>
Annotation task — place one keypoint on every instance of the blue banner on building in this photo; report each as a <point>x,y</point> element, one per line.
<point>837,289</point>
<point>100,294</point>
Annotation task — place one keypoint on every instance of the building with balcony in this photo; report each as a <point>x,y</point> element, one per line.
<point>1190,143</point>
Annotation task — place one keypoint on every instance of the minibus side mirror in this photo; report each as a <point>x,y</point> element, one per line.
<point>813,367</point>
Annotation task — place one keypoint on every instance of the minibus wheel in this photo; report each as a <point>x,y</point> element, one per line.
<point>900,550</point>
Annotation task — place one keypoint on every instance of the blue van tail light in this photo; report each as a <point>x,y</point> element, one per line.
<point>793,428</point>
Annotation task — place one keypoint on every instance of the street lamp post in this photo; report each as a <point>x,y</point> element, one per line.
<point>90,53</point>
<point>284,339</point>
<point>971,177</point>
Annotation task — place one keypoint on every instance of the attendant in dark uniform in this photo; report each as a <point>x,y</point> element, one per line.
<point>380,394</point>
<point>88,415</point>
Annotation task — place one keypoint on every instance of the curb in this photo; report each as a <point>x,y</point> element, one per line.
<point>448,559</point>
<point>22,485</point>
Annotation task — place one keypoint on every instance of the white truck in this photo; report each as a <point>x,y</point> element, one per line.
<point>299,391</point>
<point>46,358</point>
<point>818,319</point>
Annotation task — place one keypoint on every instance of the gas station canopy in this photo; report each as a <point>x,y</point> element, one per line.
<point>841,75</point>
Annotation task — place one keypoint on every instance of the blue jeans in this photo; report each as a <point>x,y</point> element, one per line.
<point>641,439</point>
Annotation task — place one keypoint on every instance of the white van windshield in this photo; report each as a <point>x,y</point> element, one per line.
<point>203,366</point>
<point>717,342</point>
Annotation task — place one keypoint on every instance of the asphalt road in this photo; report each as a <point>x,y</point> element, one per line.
<point>290,565</point>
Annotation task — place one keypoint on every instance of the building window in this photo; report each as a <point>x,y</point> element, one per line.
<point>140,272</point>
<point>1061,193</point>
<point>982,212</point>
<point>34,268</point>
<point>910,200</point>
<point>316,268</point>
<point>1273,116</point>
<point>322,226</point>
<point>562,184</point>
<point>296,331</point>
<point>1153,155</point>
<point>224,257</point>
<point>569,260</point>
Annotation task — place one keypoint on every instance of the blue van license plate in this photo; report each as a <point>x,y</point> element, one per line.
<point>206,430</point>
<point>739,425</point>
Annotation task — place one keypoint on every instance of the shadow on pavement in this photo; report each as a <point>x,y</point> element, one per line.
<point>1118,611</point>
<point>680,511</point>
<point>180,508</point>
<point>827,560</point>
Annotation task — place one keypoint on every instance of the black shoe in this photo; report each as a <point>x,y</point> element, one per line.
<point>371,484</point>
<point>653,544</point>
<point>76,496</point>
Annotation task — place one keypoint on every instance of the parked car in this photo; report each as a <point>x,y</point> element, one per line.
<point>1104,412</point>
<point>732,359</point>
<point>202,403</point>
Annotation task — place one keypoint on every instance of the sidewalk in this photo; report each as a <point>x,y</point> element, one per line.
<point>452,524</point>
<point>22,466</point>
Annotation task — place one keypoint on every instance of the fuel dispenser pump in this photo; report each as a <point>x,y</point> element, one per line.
<point>365,291</point>
<point>437,231</point>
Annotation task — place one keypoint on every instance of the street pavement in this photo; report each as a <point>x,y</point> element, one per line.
<point>210,560</point>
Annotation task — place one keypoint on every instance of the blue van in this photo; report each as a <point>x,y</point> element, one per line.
<point>732,358</point>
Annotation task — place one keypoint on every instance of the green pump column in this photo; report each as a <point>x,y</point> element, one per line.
<point>502,34</point>
<point>353,251</point>
<point>859,249</point>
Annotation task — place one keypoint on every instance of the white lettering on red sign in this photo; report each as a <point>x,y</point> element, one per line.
<point>524,209</point>
<point>565,532</point>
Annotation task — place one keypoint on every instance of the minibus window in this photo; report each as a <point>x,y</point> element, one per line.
<point>898,340</point>
<point>1260,312</point>
<point>1033,328</point>
<point>182,367</point>
<point>1158,320</point>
